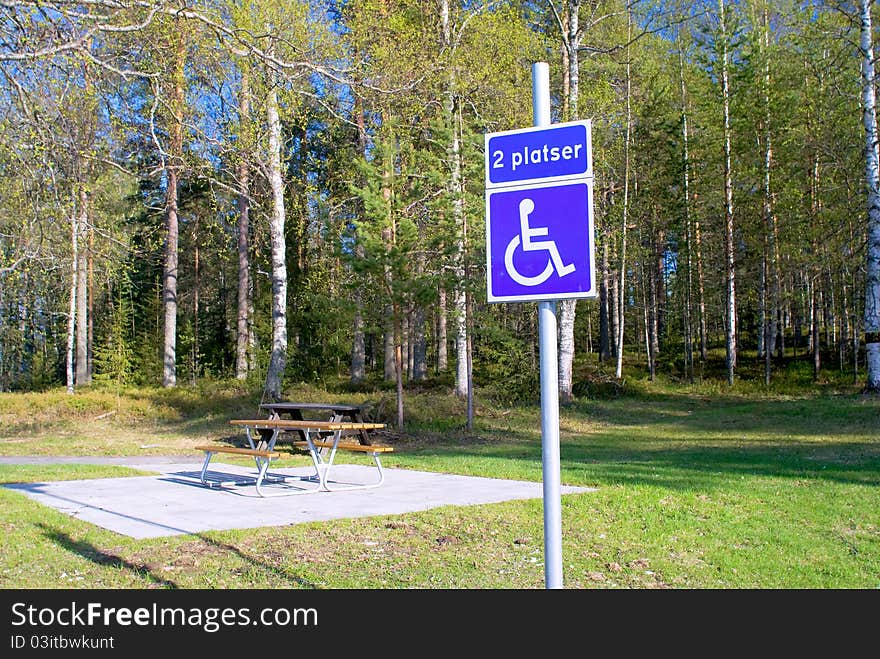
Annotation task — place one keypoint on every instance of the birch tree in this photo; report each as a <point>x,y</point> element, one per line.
<point>626,203</point>
<point>688,220</point>
<point>872,181</point>
<point>244,317</point>
<point>568,308</point>
<point>729,235</point>
<point>278,355</point>
<point>770,264</point>
<point>450,107</point>
<point>71,312</point>
<point>175,85</point>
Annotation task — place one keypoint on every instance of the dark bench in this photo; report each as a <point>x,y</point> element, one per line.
<point>336,412</point>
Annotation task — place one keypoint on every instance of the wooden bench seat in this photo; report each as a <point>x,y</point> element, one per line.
<point>346,446</point>
<point>240,451</point>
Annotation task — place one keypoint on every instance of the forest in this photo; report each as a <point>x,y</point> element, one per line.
<point>285,190</point>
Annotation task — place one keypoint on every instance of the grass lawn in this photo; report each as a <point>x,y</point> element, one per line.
<point>699,487</point>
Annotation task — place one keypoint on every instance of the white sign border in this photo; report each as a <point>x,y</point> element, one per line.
<point>587,123</point>
<point>591,293</point>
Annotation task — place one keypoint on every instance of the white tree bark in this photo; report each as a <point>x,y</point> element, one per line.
<point>459,296</point>
<point>686,169</point>
<point>567,313</point>
<point>71,314</point>
<point>83,376</point>
<point>621,307</point>
<point>169,289</point>
<point>770,272</point>
<point>357,368</point>
<point>170,274</point>
<point>388,238</point>
<point>730,263</point>
<point>461,371</point>
<point>568,308</point>
<point>872,176</point>
<point>278,358</point>
<point>442,357</point>
<point>244,274</point>
<point>604,292</point>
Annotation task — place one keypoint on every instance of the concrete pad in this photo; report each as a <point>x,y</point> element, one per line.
<point>174,502</point>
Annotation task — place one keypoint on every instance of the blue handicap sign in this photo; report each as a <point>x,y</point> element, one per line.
<point>540,242</point>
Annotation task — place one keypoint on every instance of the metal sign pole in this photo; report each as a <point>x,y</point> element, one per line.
<point>549,381</point>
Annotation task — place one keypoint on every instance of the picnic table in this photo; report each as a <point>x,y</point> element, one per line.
<point>322,451</point>
<point>335,411</point>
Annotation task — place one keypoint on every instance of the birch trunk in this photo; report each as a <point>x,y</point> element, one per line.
<point>621,305</point>
<point>649,350</point>
<point>701,293</point>
<point>358,370</point>
<point>462,384</point>
<point>460,312</point>
<point>453,153</point>
<point>604,331</point>
<point>71,311</point>
<point>814,327</point>
<point>814,282</point>
<point>170,273</point>
<point>855,334</point>
<point>169,288</point>
<point>762,304</point>
<point>655,284</point>
<point>845,324</point>
<point>3,351</point>
<point>390,355</point>
<point>194,350</point>
<point>872,176</point>
<point>688,309</point>
<point>615,316</point>
<point>770,266</point>
<point>244,274</point>
<point>730,247</point>
<point>90,342</point>
<point>388,338</point>
<point>568,308</point>
<point>398,358</point>
<point>278,358</point>
<point>82,296</point>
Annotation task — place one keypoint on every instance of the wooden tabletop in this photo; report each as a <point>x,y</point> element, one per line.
<point>341,407</point>
<point>292,424</point>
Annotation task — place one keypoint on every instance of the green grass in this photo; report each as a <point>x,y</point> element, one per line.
<point>699,486</point>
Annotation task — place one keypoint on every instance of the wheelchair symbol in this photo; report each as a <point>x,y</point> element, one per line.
<point>554,261</point>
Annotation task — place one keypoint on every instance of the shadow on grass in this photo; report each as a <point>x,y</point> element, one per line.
<point>103,558</point>
<point>107,559</point>
<point>258,562</point>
